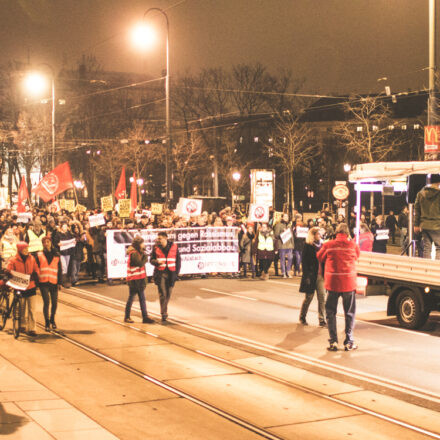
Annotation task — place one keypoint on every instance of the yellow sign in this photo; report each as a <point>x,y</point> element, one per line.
<point>107,203</point>
<point>124,207</point>
<point>80,208</point>
<point>69,205</point>
<point>63,203</point>
<point>156,208</point>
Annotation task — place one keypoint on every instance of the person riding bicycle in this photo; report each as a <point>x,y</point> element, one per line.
<point>24,263</point>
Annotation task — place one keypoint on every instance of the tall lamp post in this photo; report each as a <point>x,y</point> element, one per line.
<point>36,83</point>
<point>140,35</point>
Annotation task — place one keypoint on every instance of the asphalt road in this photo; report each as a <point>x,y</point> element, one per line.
<point>266,312</point>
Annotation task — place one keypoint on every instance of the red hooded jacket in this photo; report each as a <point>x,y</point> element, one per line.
<point>339,256</point>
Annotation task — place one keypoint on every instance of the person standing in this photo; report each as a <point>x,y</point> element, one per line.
<point>51,275</point>
<point>427,216</point>
<point>339,256</point>
<point>137,279</point>
<point>380,240</point>
<point>24,263</point>
<point>284,239</point>
<point>245,244</point>
<point>166,261</point>
<point>312,277</point>
<point>299,242</point>
<point>34,237</point>
<point>265,250</point>
<point>402,223</point>
<point>391,224</point>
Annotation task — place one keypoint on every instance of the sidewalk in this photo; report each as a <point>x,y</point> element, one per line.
<point>28,410</point>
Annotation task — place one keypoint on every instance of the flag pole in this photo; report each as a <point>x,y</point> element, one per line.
<point>76,196</point>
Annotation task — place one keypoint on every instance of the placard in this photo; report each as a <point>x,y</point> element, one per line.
<point>69,205</point>
<point>277,216</point>
<point>382,234</point>
<point>24,217</point>
<point>62,203</point>
<point>19,281</point>
<point>286,235</point>
<point>80,208</point>
<point>262,187</point>
<point>96,220</point>
<point>301,232</point>
<point>107,203</point>
<point>124,208</point>
<point>67,244</point>
<point>258,213</point>
<point>55,206</point>
<point>156,208</point>
<point>191,207</point>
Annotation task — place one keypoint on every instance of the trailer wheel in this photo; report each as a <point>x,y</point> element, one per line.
<point>410,311</point>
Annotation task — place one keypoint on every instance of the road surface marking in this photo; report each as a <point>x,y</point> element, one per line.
<point>228,294</point>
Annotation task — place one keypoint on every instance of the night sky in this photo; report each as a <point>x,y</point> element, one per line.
<point>337,46</point>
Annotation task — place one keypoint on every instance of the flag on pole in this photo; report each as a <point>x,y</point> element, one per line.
<point>55,182</point>
<point>23,194</point>
<point>133,195</point>
<point>121,189</point>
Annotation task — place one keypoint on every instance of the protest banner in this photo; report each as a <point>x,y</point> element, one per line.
<point>156,208</point>
<point>124,208</point>
<point>302,232</point>
<point>19,281</point>
<point>67,244</point>
<point>202,250</point>
<point>382,234</point>
<point>24,217</point>
<point>258,213</point>
<point>96,220</point>
<point>69,205</point>
<point>286,235</point>
<point>107,203</point>
<point>80,208</point>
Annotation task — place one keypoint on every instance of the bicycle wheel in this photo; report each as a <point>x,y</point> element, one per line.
<point>4,310</point>
<point>16,317</point>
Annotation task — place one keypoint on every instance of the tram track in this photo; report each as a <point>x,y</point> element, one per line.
<point>219,411</point>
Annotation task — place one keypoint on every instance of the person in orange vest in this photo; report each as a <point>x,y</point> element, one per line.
<point>136,278</point>
<point>51,276</point>
<point>24,263</point>
<point>166,259</point>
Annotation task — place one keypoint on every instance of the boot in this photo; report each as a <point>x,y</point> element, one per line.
<point>47,326</point>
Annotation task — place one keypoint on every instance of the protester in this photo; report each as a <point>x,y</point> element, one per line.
<point>380,240</point>
<point>284,242</point>
<point>136,279</point>
<point>366,238</point>
<point>24,263</point>
<point>51,274</point>
<point>312,278</point>
<point>9,244</point>
<point>299,242</point>
<point>339,256</point>
<point>245,245</point>
<point>264,245</point>
<point>391,224</point>
<point>34,236</point>
<point>166,259</point>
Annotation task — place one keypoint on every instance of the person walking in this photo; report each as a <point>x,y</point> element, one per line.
<point>284,240</point>
<point>51,276</point>
<point>165,258</point>
<point>136,279</point>
<point>339,256</point>
<point>25,264</point>
<point>312,277</point>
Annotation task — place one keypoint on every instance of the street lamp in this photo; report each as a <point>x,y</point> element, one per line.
<point>347,167</point>
<point>36,83</point>
<point>143,36</point>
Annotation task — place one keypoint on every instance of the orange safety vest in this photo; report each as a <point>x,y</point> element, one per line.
<point>169,260</point>
<point>135,272</point>
<point>48,272</point>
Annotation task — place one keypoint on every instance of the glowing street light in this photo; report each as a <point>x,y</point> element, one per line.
<point>347,167</point>
<point>143,36</point>
<point>236,176</point>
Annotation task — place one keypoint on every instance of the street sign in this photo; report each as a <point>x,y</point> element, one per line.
<point>340,192</point>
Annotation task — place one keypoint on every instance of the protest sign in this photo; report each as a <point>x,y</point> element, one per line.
<point>302,232</point>
<point>258,213</point>
<point>19,281</point>
<point>24,217</point>
<point>67,244</point>
<point>156,208</point>
<point>96,220</point>
<point>107,203</point>
<point>124,208</point>
<point>80,208</point>
<point>286,235</point>
<point>191,207</point>
<point>69,205</point>
<point>382,234</point>
<point>277,216</point>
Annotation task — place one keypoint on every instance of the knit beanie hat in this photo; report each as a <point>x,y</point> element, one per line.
<point>21,245</point>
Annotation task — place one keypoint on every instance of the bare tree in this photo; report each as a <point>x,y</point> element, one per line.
<point>294,146</point>
<point>369,130</point>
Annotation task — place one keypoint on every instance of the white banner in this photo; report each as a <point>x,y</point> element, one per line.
<point>301,232</point>
<point>382,234</point>
<point>19,281</point>
<point>67,244</point>
<point>258,213</point>
<point>189,207</point>
<point>262,187</point>
<point>202,250</point>
<point>24,217</point>
<point>96,220</point>
<point>286,235</point>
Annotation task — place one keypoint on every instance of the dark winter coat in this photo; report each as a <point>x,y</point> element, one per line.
<point>310,267</point>
<point>246,247</point>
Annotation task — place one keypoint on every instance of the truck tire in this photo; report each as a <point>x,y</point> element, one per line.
<point>410,310</point>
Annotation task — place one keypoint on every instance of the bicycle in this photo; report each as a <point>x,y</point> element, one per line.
<point>7,309</point>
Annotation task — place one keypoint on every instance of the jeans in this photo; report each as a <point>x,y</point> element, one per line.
<point>428,237</point>
<point>285,265</point>
<point>165,290</point>
<point>298,255</point>
<point>65,260</point>
<point>98,266</point>
<point>27,305</point>
<point>49,292</point>
<point>320,293</point>
<point>331,306</point>
<point>136,287</point>
<point>74,268</point>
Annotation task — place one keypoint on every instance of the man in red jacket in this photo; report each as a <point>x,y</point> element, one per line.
<point>339,256</point>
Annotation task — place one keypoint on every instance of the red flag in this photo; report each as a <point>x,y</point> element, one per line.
<point>133,194</point>
<point>121,189</point>
<point>55,182</point>
<point>23,194</point>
